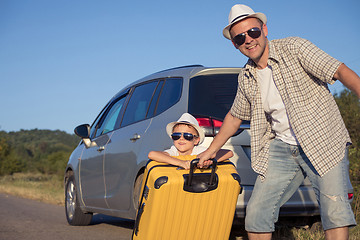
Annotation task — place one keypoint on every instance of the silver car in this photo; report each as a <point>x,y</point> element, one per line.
<point>105,171</point>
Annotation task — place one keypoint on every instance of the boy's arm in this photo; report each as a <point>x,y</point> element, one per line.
<point>164,157</point>
<point>223,154</point>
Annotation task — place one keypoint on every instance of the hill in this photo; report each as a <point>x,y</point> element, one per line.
<point>43,151</point>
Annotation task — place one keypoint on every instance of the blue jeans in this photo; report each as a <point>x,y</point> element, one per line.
<point>288,166</point>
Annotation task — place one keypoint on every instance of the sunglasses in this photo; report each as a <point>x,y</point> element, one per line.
<point>240,38</point>
<point>187,136</point>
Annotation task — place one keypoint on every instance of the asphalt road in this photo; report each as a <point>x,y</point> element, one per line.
<point>27,219</point>
<point>32,220</point>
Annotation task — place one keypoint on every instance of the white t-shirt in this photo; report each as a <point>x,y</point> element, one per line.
<point>274,105</point>
<point>174,152</point>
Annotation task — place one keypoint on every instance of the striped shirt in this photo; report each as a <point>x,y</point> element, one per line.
<point>301,73</point>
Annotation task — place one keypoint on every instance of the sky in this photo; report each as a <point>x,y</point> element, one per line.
<point>62,61</point>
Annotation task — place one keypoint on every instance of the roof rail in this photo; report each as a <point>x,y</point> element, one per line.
<point>187,66</point>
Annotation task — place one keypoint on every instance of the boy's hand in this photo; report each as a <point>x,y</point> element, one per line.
<point>185,164</point>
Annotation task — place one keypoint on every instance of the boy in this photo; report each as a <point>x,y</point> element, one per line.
<point>186,135</point>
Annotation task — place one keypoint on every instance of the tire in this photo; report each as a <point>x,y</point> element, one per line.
<point>137,189</point>
<point>74,215</point>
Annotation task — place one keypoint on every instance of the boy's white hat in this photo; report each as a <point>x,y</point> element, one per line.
<point>239,12</point>
<point>187,118</point>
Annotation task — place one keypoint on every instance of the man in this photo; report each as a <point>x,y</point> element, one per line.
<point>296,127</point>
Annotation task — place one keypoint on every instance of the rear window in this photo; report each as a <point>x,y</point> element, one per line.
<point>212,95</point>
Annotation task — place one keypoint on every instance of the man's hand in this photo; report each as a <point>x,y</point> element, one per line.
<point>204,159</point>
<point>207,163</point>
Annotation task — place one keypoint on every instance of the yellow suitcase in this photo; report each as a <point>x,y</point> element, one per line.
<point>182,204</point>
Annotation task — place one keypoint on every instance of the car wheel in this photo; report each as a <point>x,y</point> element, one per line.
<point>74,215</point>
<point>137,189</point>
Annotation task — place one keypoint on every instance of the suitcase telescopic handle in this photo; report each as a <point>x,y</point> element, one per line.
<point>194,163</point>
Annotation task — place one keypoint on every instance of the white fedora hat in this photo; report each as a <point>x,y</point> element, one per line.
<point>187,118</point>
<point>239,12</point>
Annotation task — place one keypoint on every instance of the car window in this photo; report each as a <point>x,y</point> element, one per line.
<point>108,123</point>
<point>139,102</point>
<point>154,101</point>
<point>212,95</point>
<point>170,94</point>
<point>96,123</point>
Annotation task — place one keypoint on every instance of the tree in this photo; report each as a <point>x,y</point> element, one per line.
<point>8,164</point>
<point>35,150</point>
<point>349,106</point>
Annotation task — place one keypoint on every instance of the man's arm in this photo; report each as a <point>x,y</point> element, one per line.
<point>230,125</point>
<point>349,78</point>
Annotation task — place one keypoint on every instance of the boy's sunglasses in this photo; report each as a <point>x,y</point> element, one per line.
<point>177,135</point>
<point>240,38</point>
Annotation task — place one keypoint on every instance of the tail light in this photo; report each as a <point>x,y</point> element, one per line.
<point>211,126</point>
<point>350,196</point>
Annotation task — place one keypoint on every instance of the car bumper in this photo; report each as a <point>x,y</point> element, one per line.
<point>302,203</point>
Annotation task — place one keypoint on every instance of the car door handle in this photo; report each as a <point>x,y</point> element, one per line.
<point>135,137</point>
<point>100,149</point>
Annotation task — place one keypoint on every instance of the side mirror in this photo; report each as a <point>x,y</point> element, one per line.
<point>83,131</point>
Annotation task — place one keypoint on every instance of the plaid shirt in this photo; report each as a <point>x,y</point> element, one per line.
<point>301,73</point>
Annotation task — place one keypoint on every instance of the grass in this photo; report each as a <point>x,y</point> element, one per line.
<point>49,189</point>
<point>355,232</point>
<point>40,187</point>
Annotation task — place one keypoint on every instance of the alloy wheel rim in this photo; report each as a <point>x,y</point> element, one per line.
<point>70,200</point>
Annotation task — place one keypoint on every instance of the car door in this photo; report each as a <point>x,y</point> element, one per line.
<point>92,160</point>
<point>122,153</point>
